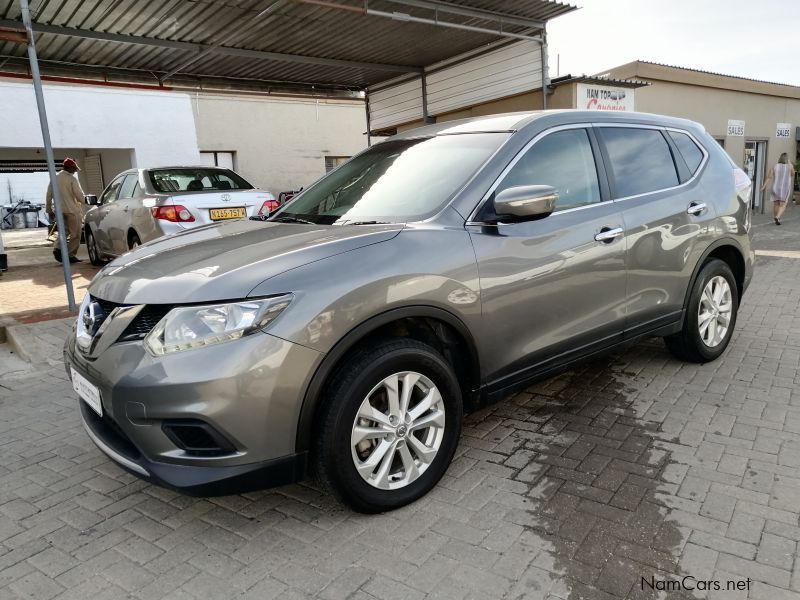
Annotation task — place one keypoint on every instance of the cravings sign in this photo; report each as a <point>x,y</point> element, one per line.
<point>601,97</point>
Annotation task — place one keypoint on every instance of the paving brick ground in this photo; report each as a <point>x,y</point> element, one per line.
<point>33,287</point>
<point>632,466</point>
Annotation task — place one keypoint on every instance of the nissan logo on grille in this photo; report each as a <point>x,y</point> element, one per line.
<point>93,317</point>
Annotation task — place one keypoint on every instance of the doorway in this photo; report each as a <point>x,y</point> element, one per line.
<point>755,159</point>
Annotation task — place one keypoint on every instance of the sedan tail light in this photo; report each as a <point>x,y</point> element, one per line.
<point>175,214</point>
<point>268,207</point>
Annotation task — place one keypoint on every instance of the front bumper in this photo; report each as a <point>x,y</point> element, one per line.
<point>247,391</point>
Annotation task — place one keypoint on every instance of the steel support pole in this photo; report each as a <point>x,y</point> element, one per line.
<point>369,118</point>
<point>426,118</point>
<point>48,148</point>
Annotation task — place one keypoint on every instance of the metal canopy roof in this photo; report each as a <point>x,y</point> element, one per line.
<point>327,44</point>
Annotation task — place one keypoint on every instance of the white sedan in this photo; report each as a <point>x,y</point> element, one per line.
<point>140,205</point>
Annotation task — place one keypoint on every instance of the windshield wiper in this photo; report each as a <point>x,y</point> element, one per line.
<point>369,223</point>
<point>291,220</point>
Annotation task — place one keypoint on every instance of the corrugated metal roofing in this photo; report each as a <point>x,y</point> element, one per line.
<point>657,64</point>
<point>598,80</point>
<point>290,27</point>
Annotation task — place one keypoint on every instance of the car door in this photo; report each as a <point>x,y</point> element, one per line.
<point>106,215</point>
<point>666,216</point>
<point>551,288</point>
<point>119,218</point>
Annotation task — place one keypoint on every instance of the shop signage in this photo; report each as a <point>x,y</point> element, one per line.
<point>601,97</point>
<point>735,128</point>
<point>783,130</point>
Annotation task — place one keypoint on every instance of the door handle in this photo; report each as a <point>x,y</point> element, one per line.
<point>608,235</point>
<point>695,208</point>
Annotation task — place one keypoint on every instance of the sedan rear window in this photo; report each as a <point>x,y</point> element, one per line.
<point>196,179</point>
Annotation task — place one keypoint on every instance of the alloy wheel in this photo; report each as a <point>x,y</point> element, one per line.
<point>714,311</point>
<point>91,248</point>
<point>398,430</point>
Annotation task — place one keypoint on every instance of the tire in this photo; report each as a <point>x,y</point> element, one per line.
<point>416,465</point>
<point>91,246</point>
<point>133,241</point>
<point>694,344</point>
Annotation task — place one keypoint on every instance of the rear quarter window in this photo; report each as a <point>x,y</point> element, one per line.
<point>690,152</point>
<point>641,160</point>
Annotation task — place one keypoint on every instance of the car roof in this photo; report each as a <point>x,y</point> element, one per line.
<point>511,122</point>
<point>211,167</point>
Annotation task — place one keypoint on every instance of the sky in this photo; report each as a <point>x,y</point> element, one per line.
<point>758,39</point>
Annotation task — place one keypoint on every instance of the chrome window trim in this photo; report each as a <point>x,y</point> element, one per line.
<point>694,176</point>
<point>516,159</point>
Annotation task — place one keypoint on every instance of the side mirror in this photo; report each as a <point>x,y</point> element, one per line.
<point>526,202</point>
<point>91,200</point>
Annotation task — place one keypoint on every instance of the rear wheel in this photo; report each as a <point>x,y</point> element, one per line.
<point>711,315</point>
<point>389,427</point>
<point>91,246</point>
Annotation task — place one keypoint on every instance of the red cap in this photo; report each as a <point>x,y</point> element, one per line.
<point>69,163</point>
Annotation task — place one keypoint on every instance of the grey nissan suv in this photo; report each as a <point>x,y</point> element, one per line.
<point>433,273</point>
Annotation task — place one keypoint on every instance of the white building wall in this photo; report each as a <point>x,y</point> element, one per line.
<point>279,143</point>
<point>157,126</point>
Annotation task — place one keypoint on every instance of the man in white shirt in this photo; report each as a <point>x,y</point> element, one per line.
<point>71,208</point>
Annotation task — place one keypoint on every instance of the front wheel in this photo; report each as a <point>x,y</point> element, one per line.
<point>389,427</point>
<point>711,315</point>
<point>94,253</point>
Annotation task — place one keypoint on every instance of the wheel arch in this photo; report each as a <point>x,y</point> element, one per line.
<point>729,251</point>
<point>432,325</point>
<point>132,232</point>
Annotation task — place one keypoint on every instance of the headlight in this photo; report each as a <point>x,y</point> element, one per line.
<point>189,327</point>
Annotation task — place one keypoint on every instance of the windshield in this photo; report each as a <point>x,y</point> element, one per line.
<point>196,179</point>
<point>395,181</point>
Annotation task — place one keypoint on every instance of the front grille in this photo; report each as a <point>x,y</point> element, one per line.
<point>142,323</point>
<point>106,305</point>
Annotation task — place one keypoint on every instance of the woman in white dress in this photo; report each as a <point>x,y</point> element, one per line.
<point>780,179</point>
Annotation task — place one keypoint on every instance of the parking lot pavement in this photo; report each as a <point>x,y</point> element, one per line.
<point>33,287</point>
<point>631,471</point>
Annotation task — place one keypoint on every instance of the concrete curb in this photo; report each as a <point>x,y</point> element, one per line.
<point>20,340</point>
<point>24,340</point>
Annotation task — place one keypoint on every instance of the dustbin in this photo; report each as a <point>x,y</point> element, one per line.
<point>18,219</point>
<point>32,217</point>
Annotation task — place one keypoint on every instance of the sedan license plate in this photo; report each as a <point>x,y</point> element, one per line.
<point>220,214</point>
<point>87,391</point>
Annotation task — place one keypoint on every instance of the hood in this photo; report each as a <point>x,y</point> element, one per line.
<point>225,261</point>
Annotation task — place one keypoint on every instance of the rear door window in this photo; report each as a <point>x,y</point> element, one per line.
<point>563,160</point>
<point>641,160</point>
<point>691,153</point>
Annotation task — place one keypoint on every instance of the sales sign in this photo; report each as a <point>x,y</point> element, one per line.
<point>735,128</point>
<point>783,130</point>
